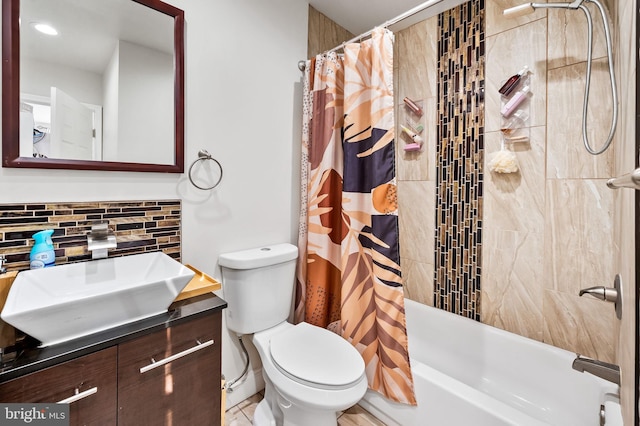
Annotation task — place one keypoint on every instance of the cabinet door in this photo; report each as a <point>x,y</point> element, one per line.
<point>90,378</point>
<point>172,377</point>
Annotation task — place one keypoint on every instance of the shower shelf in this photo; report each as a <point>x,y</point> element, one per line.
<point>412,126</point>
<point>514,119</point>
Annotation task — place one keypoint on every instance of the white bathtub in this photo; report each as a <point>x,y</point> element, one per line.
<point>468,373</point>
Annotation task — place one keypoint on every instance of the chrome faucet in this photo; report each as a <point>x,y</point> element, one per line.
<point>100,239</point>
<point>602,369</point>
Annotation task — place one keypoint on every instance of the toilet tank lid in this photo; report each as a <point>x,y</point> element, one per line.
<point>259,256</point>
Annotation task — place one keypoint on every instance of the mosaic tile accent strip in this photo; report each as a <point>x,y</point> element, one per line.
<point>460,150</point>
<point>139,226</point>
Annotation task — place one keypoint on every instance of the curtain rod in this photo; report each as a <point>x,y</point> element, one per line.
<point>409,13</point>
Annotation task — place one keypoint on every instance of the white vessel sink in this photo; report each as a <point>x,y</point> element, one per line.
<point>68,301</point>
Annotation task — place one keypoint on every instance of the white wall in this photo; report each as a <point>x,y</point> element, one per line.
<point>110,84</point>
<point>84,86</point>
<point>243,106</point>
<point>145,105</point>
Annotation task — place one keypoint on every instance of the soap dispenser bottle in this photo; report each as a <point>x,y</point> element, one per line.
<point>42,253</point>
<point>513,82</point>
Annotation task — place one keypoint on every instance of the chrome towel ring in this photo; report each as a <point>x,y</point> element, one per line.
<point>203,155</point>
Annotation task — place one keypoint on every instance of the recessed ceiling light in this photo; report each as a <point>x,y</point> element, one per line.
<point>45,28</point>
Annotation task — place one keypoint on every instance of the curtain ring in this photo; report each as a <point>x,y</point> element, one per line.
<point>203,155</point>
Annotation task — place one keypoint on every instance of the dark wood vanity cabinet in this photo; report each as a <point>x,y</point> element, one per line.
<point>91,380</point>
<point>171,377</point>
<point>167,376</point>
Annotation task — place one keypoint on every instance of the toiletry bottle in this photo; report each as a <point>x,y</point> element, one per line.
<point>42,254</point>
<point>513,82</point>
<point>413,106</point>
<point>413,135</point>
<point>515,122</point>
<point>511,106</point>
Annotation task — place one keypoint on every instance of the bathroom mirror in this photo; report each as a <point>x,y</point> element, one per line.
<point>104,93</point>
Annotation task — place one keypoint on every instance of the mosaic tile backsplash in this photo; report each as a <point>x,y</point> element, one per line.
<point>459,159</point>
<point>139,226</point>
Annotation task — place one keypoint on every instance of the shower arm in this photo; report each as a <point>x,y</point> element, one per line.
<point>574,5</point>
<point>527,8</point>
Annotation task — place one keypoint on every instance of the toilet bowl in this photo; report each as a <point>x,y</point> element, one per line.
<point>310,373</point>
<point>313,372</point>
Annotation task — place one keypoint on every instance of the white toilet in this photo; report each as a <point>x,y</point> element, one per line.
<point>310,373</point>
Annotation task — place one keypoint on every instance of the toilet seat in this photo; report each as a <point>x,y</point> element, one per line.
<point>316,357</point>
<point>307,398</point>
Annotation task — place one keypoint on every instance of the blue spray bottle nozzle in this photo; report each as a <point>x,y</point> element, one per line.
<point>43,236</point>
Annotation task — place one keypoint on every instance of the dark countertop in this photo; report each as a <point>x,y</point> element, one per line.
<point>31,358</point>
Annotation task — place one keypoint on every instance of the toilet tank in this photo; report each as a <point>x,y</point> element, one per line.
<point>258,286</point>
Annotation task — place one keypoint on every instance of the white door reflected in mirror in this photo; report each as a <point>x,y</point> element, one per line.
<point>60,127</point>
<point>71,128</point>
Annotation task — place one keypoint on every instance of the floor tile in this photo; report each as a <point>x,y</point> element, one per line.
<point>235,417</point>
<point>358,416</point>
<point>251,403</point>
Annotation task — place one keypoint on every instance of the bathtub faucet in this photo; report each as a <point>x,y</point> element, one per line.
<point>604,370</point>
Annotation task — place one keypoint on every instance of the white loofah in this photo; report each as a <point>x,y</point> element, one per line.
<point>504,161</point>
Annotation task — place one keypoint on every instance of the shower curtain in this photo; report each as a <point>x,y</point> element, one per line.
<point>348,274</point>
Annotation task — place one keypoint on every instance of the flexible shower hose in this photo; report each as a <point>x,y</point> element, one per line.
<point>614,94</point>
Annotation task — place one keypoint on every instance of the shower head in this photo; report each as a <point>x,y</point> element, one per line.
<point>527,8</point>
<point>514,12</point>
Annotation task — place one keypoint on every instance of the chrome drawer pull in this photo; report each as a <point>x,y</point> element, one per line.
<point>78,396</point>
<point>172,358</point>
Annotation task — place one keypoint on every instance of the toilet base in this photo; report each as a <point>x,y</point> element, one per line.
<point>290,415</point>
<point>263,415</point>
<point>277,410</point>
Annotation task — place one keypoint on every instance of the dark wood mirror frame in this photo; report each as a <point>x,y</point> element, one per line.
<point>11,99</point>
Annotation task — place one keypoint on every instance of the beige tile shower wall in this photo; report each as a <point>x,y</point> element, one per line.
<point>416,54</point>
<point>324,34</point>
<point>513,220</point>
<point>513,241</point>
<point>549,229</point>
<point>579,217</point>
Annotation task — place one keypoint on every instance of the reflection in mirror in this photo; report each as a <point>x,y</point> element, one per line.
<point>100,86</point>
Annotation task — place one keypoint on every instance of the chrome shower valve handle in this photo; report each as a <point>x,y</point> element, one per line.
<point>608,294</point>
<point>600,292</point>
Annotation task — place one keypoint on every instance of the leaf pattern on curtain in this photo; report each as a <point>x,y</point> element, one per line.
<point>319,277</point>
<point>349,277</point>
<point>372,296</point>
